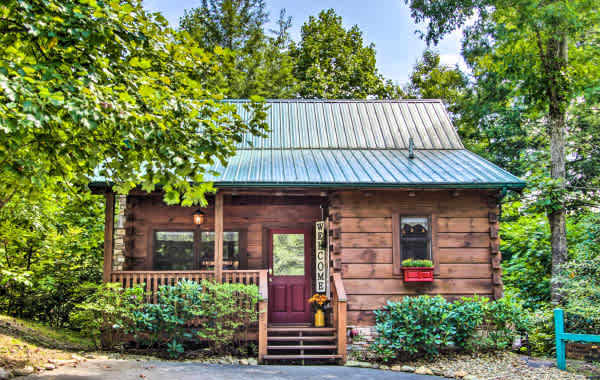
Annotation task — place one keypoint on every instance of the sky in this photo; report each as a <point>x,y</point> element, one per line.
<point>386,23</point>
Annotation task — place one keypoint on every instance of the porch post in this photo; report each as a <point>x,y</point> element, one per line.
<point>219,236</point>
<point>109,218</point>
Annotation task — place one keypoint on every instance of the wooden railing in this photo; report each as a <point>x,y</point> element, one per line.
<point>153,279</point>
<point>338,302</point>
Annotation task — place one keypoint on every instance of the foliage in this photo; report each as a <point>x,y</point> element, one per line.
<point>412,326</point>
<point>543,56</point>
<point>541,331</point>
<point>185,314</point>
<point>526,252</point>
<point>332,62</point>
<point>50,253</point>
<point>504,320</point>
<point>105,314</point>
<point>417,263</point>
<point>426,325</point>
<point>166,320</point>
<point>527,259</point>
<point>230,308</point>
<point>40,334</point>
<point>580,286</point>
<point>432,80</point>
<point>104,88</point>
<point>253,63</point>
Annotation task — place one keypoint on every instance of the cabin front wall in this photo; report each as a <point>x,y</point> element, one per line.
<point>464,238</point>
<point>464,246</point>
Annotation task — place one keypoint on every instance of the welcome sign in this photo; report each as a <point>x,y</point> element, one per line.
<point>322,258</point>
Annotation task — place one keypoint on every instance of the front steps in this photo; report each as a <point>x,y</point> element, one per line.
<point>301,344</point>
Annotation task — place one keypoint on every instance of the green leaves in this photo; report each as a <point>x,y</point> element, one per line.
<point>425,326</point>
<point>90,83</point>
<point>332,62</point>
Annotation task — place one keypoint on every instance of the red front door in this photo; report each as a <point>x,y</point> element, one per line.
<point>289,279</point>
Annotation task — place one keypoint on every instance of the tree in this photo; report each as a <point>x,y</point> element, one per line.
<point>277,74</point>
<point>544,52</point>
<point>254,63</point>
<point>102,87</point>
<point>50,253</point>
<point>332,62</point>
<point>432,80</point>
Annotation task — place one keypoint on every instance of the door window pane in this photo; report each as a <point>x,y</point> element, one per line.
<point>174,250</point>
<point>288,254</point>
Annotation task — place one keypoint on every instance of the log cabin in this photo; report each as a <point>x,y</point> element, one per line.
<point>333,200</point>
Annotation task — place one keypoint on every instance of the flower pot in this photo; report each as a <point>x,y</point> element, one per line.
<point>417,274</point>
<point>319,318</point>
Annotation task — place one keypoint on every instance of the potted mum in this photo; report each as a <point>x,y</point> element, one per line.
<point>318,301</point>
<point>417,270</point>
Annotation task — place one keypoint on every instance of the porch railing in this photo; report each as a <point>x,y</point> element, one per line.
<point>154,279</point>
<point>338,302</point>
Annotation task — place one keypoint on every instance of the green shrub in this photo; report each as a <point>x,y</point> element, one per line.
<point>415,325</point>
<point>425,325</point>
<point>417,263</point>
<point>165,323</point>
<point>230,307</point>
<point>504,320</point>
<point>541,332</point>
<point>105,316</point>
<point>190,313</point>
<point>466,315</point>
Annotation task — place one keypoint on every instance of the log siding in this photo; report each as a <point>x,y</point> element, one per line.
<point>461,246</point>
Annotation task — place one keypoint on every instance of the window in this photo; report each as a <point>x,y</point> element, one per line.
<point>231,249</point>
<point>191,250</point>
<point>412,239</point>
<point>174,250</point>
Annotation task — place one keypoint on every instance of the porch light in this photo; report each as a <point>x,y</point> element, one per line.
<point>198,217</point>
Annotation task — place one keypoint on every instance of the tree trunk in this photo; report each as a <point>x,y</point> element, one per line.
<point>557,89</point>
<point>558,228</point>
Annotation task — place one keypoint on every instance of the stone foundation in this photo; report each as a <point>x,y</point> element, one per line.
<point>360,339</point>
<point>118,260</point>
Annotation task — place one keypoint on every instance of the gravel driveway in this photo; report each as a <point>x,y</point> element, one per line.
<point>157,370</point>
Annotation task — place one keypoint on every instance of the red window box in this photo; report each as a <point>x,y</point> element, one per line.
<point>418,274</point>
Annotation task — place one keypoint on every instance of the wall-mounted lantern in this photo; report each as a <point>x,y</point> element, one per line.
<point>198,217</point>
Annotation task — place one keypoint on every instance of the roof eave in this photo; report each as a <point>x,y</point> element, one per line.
<point>101,187</point>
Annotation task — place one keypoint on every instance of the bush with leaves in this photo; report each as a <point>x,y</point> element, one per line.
<point>424,326</point>
<point>503,321</point>
<point>230,308</point>
<point>580,287</point>
<point>189,313</point>
<point>106,315</point>
<point>413,326</point>
<point>165,322</point>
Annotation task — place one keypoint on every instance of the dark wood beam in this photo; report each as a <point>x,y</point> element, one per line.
<point>219,236</point>
<point>109,223</point>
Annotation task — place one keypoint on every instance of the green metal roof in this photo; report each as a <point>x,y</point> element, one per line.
<point>358,144</point>
<point>354,124</point>
<point>444,168</point>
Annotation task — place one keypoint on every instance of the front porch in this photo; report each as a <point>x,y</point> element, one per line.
<point>140,265</point>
